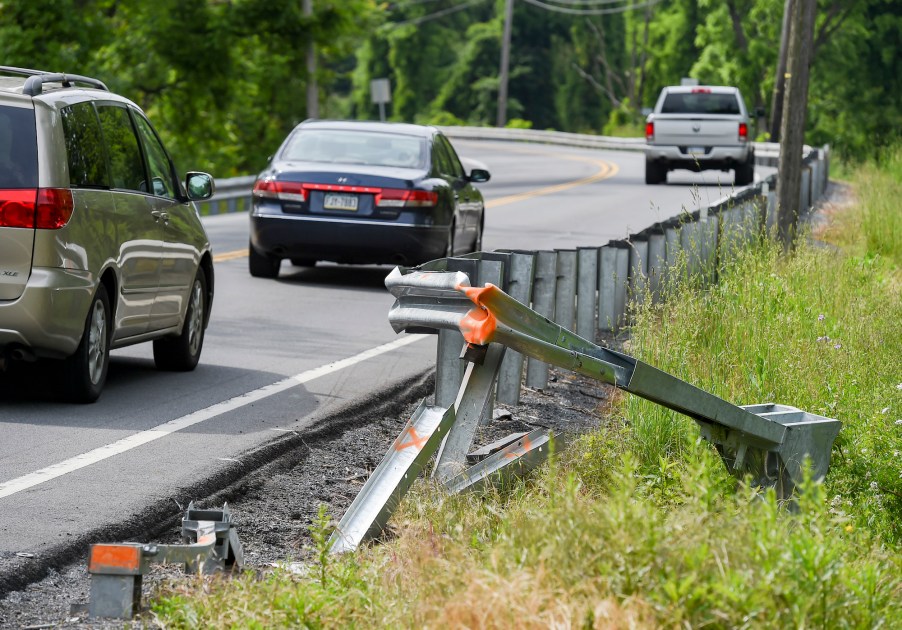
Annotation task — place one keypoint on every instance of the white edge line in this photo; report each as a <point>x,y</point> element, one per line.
<point>143,437</point>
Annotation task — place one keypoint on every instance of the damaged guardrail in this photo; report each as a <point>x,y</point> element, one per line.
<point>117,569</point>
<point>770,443</point>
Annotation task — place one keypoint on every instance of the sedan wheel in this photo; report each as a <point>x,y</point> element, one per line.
<point>261,265</point>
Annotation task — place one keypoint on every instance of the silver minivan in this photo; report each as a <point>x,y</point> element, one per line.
<point>101,245</point>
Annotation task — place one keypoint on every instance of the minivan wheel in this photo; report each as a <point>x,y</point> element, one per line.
<point>261,265</point>
<point>181,354</point>
<point>84,373</point>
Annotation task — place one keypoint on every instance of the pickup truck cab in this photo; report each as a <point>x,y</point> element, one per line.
<point>699,128</point>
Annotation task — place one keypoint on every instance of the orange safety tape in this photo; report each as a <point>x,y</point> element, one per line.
<point>114,557</point>
<point>415,440</point>
<point>478,326</point>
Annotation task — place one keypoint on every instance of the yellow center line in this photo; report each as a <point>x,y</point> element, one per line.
<point>605,170</point>
<point>238,253</point>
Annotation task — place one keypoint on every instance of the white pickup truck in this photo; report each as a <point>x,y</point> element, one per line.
<point>699,128</point>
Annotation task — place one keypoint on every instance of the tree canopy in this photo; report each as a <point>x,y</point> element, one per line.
<point>224,80</point>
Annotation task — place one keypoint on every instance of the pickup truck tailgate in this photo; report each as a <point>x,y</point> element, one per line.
<point>681,130</point>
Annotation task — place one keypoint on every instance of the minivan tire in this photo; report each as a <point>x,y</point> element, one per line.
<point>261,265</point>
<point>84,373</point>
<point>182,353</point>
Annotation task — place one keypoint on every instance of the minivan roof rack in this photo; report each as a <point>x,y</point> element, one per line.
<point>34,85</point>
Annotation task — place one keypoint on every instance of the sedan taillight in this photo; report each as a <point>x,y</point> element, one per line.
<point>401,198</point>
<point>44,208</point>
<point>283,191</point>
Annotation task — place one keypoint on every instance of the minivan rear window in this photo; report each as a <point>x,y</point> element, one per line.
<point>84,146</point>
<point>700,103</point>
<point>18,148</point>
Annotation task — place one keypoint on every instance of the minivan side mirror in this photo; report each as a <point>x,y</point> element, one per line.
<point>479,175</point>
<point>199,185</point>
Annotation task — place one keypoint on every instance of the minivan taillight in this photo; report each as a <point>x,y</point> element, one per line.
<point>54,208</point>
<point>649,131</point>
<point>17,208</point>
<point>743,132</point>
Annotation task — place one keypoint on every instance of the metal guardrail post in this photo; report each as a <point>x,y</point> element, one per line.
<point>522,270</point>
<point>405,460</point>
<point>607,265</point>
<point>708,232</point>
<point>515,459</point>
<point>449,369</point>
<point>543,294</point>
<point>690,243</point>
<point>673,251</point>
<point>491,270</point>
<point>565,288</point>
<point>474,398</point>
<point>805,190</point>
<point>657,261</point>
<point>638,273</point>
<point>586,289</point>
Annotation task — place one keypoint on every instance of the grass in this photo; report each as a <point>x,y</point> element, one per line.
<point>639,525</point>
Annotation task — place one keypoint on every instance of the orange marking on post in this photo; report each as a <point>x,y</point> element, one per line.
<point>415,440</point>
<point>114,557</point>
<point>521,450</point>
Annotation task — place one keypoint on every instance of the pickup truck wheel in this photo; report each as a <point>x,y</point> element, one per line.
<point>745,174</point>
<point>655,173</point>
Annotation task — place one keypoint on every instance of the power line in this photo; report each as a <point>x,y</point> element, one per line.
<point>570,11</point>
<point>434,16</point>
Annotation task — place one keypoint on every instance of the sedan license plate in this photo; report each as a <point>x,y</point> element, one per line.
<point>334,201</point>
<point>699,150</point>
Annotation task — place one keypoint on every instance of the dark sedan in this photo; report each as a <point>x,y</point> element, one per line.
<point>364,193</point>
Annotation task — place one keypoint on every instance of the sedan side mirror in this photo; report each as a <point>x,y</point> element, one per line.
<point>479,175</point>
<point>199,185</point>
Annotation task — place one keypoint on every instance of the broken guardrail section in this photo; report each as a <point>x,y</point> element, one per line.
<point>211,545</point>
<point>769,442</point>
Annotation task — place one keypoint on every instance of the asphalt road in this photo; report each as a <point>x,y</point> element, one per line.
<point>279,356</point>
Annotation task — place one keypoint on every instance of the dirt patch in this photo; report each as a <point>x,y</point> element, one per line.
<point>275,506</point>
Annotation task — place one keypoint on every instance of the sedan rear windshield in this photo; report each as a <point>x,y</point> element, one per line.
<point>18,148</point>
<point>700,103</point>
<point>342,146</point>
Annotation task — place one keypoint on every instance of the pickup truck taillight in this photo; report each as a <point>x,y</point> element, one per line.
<point>649,131</point>
<point>743,132</point>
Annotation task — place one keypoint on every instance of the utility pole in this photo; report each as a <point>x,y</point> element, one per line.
<point>312,89</point>
<point>505,63</point>
<point>792,130</point>
<point>776,109</point>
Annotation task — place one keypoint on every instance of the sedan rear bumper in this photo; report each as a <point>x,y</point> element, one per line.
<point>347,240</point>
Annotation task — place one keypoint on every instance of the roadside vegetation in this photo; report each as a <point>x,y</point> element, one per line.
<point>639,524</point>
